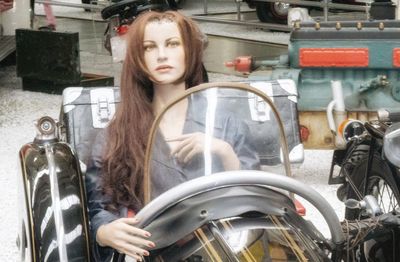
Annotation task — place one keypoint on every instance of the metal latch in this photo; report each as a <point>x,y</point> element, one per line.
<point>103,106</point>
<point>259,109</point>
<point>103,109</point>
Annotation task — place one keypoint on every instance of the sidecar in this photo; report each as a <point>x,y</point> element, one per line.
<point>197,209</point>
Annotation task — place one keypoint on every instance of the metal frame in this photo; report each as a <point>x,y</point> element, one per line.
<point>324,4</point>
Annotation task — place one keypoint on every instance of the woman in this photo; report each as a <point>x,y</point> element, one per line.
<point>164,57</point>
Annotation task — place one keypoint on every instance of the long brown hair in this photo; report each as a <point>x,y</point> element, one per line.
<point>127,133</point>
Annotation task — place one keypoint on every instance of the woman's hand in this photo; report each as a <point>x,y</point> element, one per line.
<point>192,144</point>
<point>123,236</point>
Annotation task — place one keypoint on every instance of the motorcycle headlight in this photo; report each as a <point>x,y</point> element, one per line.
<point>391,144</point>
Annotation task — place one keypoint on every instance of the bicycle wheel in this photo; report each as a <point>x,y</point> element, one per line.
<point>383,182</point>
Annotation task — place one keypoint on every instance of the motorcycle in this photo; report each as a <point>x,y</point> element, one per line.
<point>369,156</point>
<point>250,214</point>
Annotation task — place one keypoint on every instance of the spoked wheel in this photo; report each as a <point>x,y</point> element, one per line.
<point>275,12</point>
<point>387,197</point>
<point>383,183</point>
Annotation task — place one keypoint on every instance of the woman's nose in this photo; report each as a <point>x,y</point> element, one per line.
<point>161,54</point>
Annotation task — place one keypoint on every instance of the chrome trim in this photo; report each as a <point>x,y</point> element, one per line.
<point>56,203</point>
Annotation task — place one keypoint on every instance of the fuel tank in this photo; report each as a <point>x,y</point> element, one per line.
<point>53,224</point>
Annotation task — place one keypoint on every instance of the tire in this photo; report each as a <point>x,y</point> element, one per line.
<point>175,4</point>
<point>383,182</point>
<point>88,2</point>
<point>275,12</point>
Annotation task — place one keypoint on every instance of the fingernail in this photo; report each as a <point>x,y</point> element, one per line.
<point>151,244</point>
<point>146,253</point>
<point>147,234</point>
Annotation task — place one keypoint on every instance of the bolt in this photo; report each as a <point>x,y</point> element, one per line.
<point>46,126</point>
<point>203,213</point>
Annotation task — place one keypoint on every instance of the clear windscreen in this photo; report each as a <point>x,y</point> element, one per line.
<point>269,238</point>
<point>213,130</point>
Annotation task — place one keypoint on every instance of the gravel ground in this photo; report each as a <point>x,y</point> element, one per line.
<point>19,109</point>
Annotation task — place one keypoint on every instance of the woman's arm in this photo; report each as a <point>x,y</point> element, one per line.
<point>194,143</point>
<point>108,230</point>
<point>123,236</point>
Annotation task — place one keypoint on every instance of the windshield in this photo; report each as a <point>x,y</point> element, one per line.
<point>269,238</point>
<point>214,128</point>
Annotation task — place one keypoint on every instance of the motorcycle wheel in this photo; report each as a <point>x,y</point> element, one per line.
<point>272,12</point>
<point>383,182</point>
<point>88,2</point>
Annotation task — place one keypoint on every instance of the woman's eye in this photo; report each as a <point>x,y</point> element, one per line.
<point>173,43</point>
<point>148,48</point>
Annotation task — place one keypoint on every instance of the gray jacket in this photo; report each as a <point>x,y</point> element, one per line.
<point>165,171</point>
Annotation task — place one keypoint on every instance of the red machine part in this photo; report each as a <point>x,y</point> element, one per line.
<point>121,30</point>
<point>241,64</point>
<point>396,57</point>
<point>304,133</point>
<point>334,57</point>
<point>300,209</point>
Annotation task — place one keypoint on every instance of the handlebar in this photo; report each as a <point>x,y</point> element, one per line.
<point>386,115</point>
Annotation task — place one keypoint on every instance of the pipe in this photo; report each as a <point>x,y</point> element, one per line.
<point>337,92</point>
<point>336,112</point>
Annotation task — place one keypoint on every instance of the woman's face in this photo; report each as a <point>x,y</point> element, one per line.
<point>164,54</point>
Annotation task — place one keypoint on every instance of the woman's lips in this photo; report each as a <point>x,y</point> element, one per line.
<point>163,68</point>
